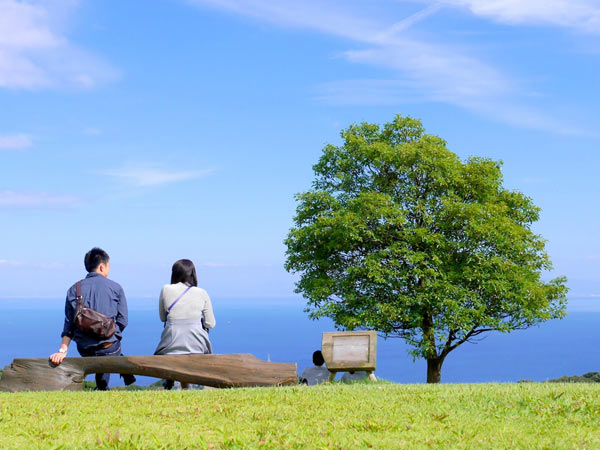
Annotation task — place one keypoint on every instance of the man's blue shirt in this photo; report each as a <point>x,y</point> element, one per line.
<point>102,295</point>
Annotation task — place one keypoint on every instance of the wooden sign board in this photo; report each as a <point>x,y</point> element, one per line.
<point>350,350</point>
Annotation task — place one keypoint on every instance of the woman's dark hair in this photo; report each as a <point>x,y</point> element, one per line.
<point>184,272</point>
<point>94,258</point>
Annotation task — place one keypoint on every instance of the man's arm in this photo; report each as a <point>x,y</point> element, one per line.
<point>67,334</point>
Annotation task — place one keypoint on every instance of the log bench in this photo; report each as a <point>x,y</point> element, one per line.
<point>220,371</point>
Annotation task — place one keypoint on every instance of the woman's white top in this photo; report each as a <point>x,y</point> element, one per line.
<point>193,305</point>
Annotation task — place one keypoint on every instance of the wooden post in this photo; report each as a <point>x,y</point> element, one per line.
<point>222,371</point>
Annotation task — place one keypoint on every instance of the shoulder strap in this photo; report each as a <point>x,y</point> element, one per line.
<point>79,304</point>
<point>78,295</point>
<point>176,300</point>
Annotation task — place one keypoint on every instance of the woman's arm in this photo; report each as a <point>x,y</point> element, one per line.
<point>161,306</point>
<point>209,317</point>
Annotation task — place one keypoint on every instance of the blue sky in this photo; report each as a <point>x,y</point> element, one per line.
<point>182,129</point>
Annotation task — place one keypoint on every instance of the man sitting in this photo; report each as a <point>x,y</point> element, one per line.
<point>317,373</point>
<point>104,296</point>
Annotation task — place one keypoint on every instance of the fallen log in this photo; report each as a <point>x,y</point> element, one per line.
<point>221,371</point>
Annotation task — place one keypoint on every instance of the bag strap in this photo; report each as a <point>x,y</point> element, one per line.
<point>79,304</point>
<point>78,292</point>
<point>176,300</point>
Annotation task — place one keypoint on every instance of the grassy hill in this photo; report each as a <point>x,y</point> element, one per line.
<point>332,416</point>
<point>336,416</point>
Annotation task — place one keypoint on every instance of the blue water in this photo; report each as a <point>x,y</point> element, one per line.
<point>280,331</point>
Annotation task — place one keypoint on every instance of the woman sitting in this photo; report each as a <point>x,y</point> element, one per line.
<point>188,315</point>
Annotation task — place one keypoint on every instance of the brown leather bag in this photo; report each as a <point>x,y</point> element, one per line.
<point>92,323</point>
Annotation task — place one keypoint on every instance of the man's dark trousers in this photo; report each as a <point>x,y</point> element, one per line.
<point>102,379</point>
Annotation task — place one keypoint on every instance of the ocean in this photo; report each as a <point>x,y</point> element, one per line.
<point>279,331</point>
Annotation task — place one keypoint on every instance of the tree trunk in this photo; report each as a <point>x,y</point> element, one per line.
<point>434,369</point>
<point>434,361</point>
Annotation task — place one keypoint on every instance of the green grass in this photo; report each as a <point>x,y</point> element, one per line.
<point>380,415</point>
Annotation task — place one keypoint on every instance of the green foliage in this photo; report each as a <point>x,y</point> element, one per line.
<point>590,377</point>
<point>157,384</point>
<point>400,236</point>
<point>333,416</point>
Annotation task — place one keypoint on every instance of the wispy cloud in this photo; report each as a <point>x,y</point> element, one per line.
<point>408,22</point>
<point>420,70</point>
<point>35,53</point>
<point>10,263</point>
<point>36,265</point>
<point>145,175</point>
<point>36,199</point>
<point>582,15</point>
<point>15,142</point>
<point>331,17</point>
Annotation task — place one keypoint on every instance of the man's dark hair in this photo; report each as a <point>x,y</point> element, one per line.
<point>94,258</point>
<point>318,359</point>
<point>184,272</point>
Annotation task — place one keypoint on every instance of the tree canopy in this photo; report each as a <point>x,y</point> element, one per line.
<point>400,236</point>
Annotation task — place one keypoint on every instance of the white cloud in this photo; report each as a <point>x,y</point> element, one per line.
<point>408,22</point>
<point>35,54</point>
<point>142,176</point>
<point>327,16</point>
<point>37,265</point>
<point>582,15</point>
<point>15,142</point>
<point>424,71</point>
<point>441,72</point>
<point>36,199</point>
<point>10,263</point>
<point>475,98</point>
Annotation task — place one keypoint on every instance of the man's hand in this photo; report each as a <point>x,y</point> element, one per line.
<point>60,355</point>
<point>57,357</point>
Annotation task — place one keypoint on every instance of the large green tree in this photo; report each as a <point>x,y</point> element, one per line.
<point>400,236</point>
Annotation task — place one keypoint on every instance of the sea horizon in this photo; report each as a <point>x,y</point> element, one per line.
<point>280,331</point>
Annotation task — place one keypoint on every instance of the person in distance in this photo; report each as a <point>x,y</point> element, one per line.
<point>316,374</point>
<point>187,313</point>
<point>104,296</point>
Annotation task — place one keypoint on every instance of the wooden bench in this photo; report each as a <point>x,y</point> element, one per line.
<point>350,351</point>
<point>221,371</point>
